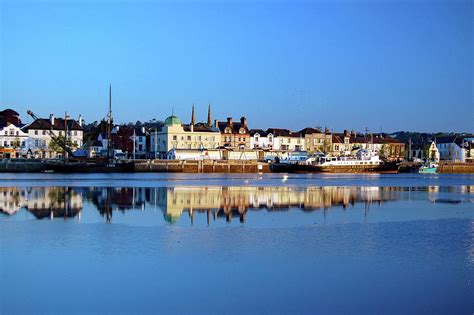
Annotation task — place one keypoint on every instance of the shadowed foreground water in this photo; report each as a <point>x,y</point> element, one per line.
<point>230,246</point>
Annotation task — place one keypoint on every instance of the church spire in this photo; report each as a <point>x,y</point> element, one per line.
<point>193,119</point>
<point>209,120</point>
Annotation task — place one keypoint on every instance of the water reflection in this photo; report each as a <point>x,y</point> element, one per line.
<point>215,202</point>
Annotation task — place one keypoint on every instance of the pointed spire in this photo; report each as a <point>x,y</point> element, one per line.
<point>193,120</point>
<point>209,120</point>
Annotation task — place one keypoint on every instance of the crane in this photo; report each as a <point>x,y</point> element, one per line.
<point>58,140</point>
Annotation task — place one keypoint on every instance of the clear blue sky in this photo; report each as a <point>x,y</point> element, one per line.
<point>396,65</point>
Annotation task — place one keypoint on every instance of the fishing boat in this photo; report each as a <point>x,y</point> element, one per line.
<point>429,168</point>
<point>365,161</point>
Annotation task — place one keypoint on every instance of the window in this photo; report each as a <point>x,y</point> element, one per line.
<point>75,132</point>
<point>189,138</point>
<point>44,132</point>
<point>36,132</point>
<point>17,133</point>
<point>175,138</point>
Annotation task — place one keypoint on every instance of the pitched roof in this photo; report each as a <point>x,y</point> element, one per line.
<point>336,138</point>
<point>59,124</point>
<point>277,132</point>
<point>261,132</point>
<point>198,128</point>
<point>235,126</point>
<point>309,130</point>
<point>446,139</point>
<point>139,132</point>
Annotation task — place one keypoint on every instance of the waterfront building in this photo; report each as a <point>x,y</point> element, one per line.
<point>39,135</point>
<point>13,135</point>
<point>317,141</point>
<point>260,139</point>
<point>234,135</point>
<point>340,144</point>
<point>176,135</point>
<point>285,140</point>
<point>454,148</point>
<point>140,139</point>
<point>424,151</point>
<point>381,143</point>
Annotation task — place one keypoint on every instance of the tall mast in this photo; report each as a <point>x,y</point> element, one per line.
<point>109,124</point>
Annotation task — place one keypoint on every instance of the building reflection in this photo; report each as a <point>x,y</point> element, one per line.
<point>42,202</point>
<point>215,202</point>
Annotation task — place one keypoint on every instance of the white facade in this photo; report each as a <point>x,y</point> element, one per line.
<point>288,143</point>
<point>452,152</point>
<point>39,137</point>
<point>14,137</point>
<point>261,141</point>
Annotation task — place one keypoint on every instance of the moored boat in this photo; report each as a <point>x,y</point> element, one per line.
<point>89,167</point>
<point>364,162</point>
<point>430,168</point>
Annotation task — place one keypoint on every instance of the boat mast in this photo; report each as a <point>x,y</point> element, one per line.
<point>109,125</point>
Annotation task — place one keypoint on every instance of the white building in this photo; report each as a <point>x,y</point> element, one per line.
<point>39,135</point>
<point>453,148</point>
<point>285,140</point>
<point>260,139</point>
<point>13,137</point>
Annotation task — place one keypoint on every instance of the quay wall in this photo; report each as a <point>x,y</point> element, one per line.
<point>456,168</point>
<point>203,166</point>
<point>21,166</point>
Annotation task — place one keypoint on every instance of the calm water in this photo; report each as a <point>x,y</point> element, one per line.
<point>148,243</point>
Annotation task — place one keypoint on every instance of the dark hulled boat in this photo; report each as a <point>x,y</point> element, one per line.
<point>89,167</point>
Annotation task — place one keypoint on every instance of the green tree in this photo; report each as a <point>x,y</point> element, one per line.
<point>57,145</point>
<point>383,151</point>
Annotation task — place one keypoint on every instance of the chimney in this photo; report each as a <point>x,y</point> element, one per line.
<point>51,119</point>
<point>80,120</point>
<point>243,121</point>
<point>346,133</point>
<point>143,130</point>
<point>216,123</point>
<point>229,120</point>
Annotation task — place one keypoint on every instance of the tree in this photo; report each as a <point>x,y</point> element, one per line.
<point>383,151</point>
<point>56,145</point>
<point>16,143</point>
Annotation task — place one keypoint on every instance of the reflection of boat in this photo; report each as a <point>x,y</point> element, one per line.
<point>428,169</point>
<point>364,162</point>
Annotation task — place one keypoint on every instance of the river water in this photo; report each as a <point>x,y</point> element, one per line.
<point>181,243</point>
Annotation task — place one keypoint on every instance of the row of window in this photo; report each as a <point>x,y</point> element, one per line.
<point>12,132</point>
<point>60,133</point>
<point>196,138</point>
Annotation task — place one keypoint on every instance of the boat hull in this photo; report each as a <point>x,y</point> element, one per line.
<point>89,168</point>
<point>385,168</point>
<point>428,170</point>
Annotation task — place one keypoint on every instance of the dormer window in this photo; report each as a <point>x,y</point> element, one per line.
<point>241,131</point>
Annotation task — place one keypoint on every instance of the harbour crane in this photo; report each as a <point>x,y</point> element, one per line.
<point>60,141</point>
